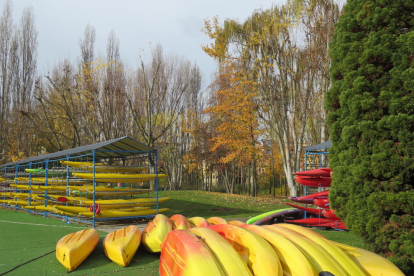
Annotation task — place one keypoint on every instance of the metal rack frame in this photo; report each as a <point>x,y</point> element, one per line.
<point>124,148</point>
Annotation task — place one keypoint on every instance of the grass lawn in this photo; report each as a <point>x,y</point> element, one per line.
<point>24,237</point>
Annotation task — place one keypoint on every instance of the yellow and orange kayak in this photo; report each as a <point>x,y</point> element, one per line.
<point>180,222</point>
<point>184,254</point>
<point>216,220</point>
<point>155,233</point>
<point>74,248</point>
<point>198,222</point>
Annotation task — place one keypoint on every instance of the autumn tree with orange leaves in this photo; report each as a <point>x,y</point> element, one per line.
<point>238,129</point>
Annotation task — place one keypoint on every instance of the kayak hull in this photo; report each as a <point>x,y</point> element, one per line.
<point>325,172</point>
<point>74,248</point>
<point>228,258</point>
<point>120,246</point>
<point>310,198</point>
<point>198,222</point>
<point>260,257</point>
<point>216,220</point>
<point>155,232</point>
<point>261,216</point>
<point>283,216</point>
<point>314,181</point>
<point>185,254</point>
<point>293,261</point>
<point>180,222</point>
<point>123,214</point>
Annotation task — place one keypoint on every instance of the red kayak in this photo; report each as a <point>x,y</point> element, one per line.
<point>310,221</point>
<point>314,211</point>
<point>310,198</point>
<point>335,225</point>
<point>330,214</point>
<point>322,202</point>
<point>314,181</point>
<point>325,172</point>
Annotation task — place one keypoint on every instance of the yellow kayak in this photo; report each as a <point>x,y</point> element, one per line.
<point>292,259</point>
<point>115,177</point>
<point>39,188</point>
<point>78,164</point>
<point>18,195</point>
<point>120,246</point>
<point>125,203</point>
<point>110,203</point>
<point>74,210</point>
<point>344,261</point>
<point>319,257</point>
<point>120,214</point>
<point>99,167</point>
<point>41,208</point>
<point>52,181</point>
<point>256,251</point>
<point>19,202</point>
<point>230,261</point>
<point>370,263</point>
<point>72,249</point>
<point>84,189</point>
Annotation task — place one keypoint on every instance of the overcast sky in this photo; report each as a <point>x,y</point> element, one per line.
<point>175,24</point>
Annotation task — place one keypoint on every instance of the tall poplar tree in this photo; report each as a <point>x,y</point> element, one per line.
<point>371,123</point>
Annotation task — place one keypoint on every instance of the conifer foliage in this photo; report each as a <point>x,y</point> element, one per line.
<point>371,123</point>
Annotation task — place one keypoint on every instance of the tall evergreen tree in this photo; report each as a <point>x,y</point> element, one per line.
<point>371,123</point>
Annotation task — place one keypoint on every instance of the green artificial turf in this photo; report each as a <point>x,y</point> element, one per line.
<point>33,236</point>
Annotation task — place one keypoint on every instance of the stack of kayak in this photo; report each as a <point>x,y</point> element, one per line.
<point>70,191</point>
<point>323,216</point>
<point>198,246</point>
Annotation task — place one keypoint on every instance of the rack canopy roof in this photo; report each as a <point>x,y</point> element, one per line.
<point>116,148</point>
<point>324,145</point>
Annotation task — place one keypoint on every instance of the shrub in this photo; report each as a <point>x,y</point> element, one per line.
<point>371,122</point>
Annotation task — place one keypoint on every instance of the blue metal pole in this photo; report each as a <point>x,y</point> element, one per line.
<point>30,185</point>
<point>67,185</point>
<point>46,181</point>
<point>306,168</point>
<point>15,189</point>
<point>156,176</point>
<point>93,195</point>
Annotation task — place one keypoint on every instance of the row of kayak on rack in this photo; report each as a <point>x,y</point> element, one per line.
<point>105,208</point>
<point>100,173</point>
<point>78,193</point>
